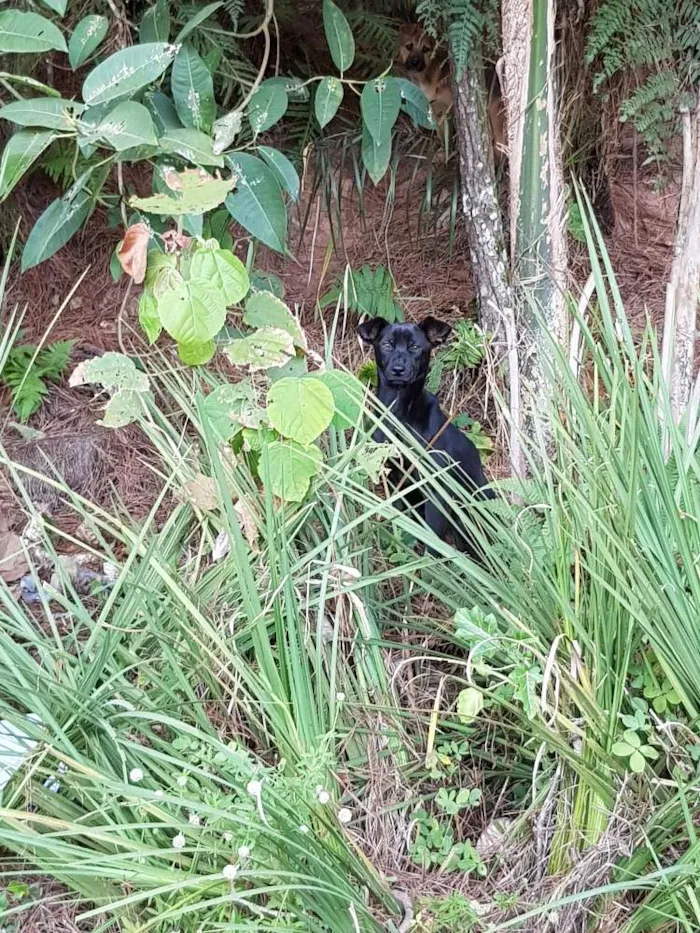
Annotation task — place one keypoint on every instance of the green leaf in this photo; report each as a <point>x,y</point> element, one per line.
<point>267,106</point>
<point>123,408</point>
<point>225,407</point>
<point>380,104</point>
<point>148,317</point>
<point>291,469</point>
<point>29,32</point>
<point>329,97</point>
<point>58,6</point>
<point>470,703</point>
<point>224,271</point>
<point>637,762</point>
<point>264,349</point>
<point>632,738</point>
<point>127,71</point>
<point>300,409</point>
<point>649,752</point>
<point>416,104</point>
<point>197,19</point>
<point>622,749</point>
<point>193,90</point>
<point>525,680</point>
<point>267,282</point>
<point>26,81</point>
<point>158,263</point>
<point>61,219</point>
<point>196,354</point>
<point>128,124</point>
<point>257,203</point>
<point>87,37</point>
<point>192,313</point>
<point>283,169</point>
<point>21,151</point>
<point>192,145</point>
<point>155,23</point>
<point>197,194</point>
<point>339,36</point>
<point>54,113</point>
<point>375,158</point>
<point>263,309</point>
<point>295,366</point>
<point>348,395</point>
<point>162,110</point>
<point>113,371</point>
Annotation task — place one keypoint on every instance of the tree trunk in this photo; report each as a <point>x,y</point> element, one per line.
<point>484,224</point>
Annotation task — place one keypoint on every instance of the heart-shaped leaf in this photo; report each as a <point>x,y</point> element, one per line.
<point>267,106</point>
<point>227,405</point>
<point>380,104</point>
<point>22,149</point>
<point>29,32</point>
<point>263,309</point>
<point>223,270</point>
<point>329,97</point>
<point>193,90</point>
<point>300,409</point>
<point>86,39</point>
<point>127,71</point>
<point>196,354</point>
<point>339,36</point>
<point>194,312</point>
<point>291,468</point>
<point>257,203</point>
<point>264,349</point>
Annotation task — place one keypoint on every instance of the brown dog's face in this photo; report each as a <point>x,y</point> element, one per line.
<point>415,48</point>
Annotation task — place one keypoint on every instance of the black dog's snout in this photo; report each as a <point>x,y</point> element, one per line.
<point>415,62</point>
<point>398,368</point>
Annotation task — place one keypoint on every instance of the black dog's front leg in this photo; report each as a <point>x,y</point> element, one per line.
<point>437,522</point>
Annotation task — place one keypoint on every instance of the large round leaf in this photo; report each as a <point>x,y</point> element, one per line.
<point>300,409</point>
<point>86,38</point>
<point>196,354</point>
<point>29,32</point>
<point>194,312</point>
<point>127,71</point>
<point>290,469</point>
<point>21,151</point>
<point>257,203</point>
<point>193,90</point>
<point>223,270</point>
<point>375,158</point>
<point>283,169</point>
<point>348,395</point>
<point>339,36</point>
<point>266,348</point>
<point>380,104</point>
<point>329,96</point>
<point>263,309</point>
<point>267,106</point>
<point>61,219</point>
<point>229,406</point>
<point>128,124</point>
<point>53,113</point>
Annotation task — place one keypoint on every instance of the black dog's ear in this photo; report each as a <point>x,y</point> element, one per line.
<point>436,331</point>
<point>369,331</point>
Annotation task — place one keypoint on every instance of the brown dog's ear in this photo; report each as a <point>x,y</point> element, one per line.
<point>369,331</point>
<point>436,331</point>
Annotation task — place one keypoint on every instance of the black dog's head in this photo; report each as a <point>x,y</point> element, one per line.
<point>403,351</point>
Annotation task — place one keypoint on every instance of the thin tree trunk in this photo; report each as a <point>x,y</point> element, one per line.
<point>485,235</point>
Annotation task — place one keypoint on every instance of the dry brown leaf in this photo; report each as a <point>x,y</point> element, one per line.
<point>133,251</point>
<point>12,562</point>
<point>173,241</point>
<point>247,523</point>
<point>202,492</point>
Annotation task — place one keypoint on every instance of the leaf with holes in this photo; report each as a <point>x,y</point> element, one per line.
<point>227,405</point>
<point>339,36</point>
<point>155,24</point>
<point>375,158</point>
<point>113,371</point>
<point>257,203</point>
<point>264,349</point>
<point>53,113</point>
<point>29,32</point>
<point>123,408</point>
<point>127,71</point>
<point>263,309</point>
<point>300,409</point>
<point>192,145</point>
<point>329,97</point>
<point>86,39</point>
<point>61,219</point>
<point>380,104</point>
<point>128,124</point>
<point>291,469</point>
<point>198,193</point>
<point>193,90</point>
<point>21,151</point>
<point>194,312</point>
<point>283,169</point>
<point>348,395</point>
<point>267,106</point>
<point>196,354</point>
<point>148,317</point>
<point>223,270</point>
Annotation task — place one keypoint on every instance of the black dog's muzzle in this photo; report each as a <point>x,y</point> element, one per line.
<point>415,63</point>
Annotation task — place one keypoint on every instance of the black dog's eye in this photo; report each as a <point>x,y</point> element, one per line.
<point>387,347</point>
<point>412,346</point>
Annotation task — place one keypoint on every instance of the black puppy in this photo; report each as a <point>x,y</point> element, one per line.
<point>402,352</point>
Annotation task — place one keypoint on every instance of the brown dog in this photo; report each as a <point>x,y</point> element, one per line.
<point>420,59</point>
